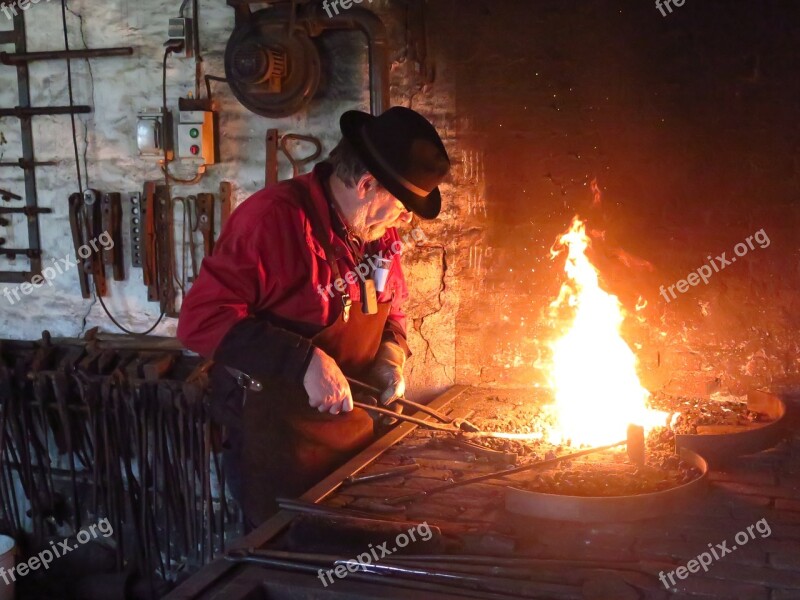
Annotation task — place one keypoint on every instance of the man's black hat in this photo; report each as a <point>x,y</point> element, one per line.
<point>403,151</point>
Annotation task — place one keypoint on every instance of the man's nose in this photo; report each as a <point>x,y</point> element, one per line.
<point>405,217</point>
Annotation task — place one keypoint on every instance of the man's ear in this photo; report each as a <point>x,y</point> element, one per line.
<point>365,185</point>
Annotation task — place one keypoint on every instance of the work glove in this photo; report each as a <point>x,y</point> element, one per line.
<point>387,372</point>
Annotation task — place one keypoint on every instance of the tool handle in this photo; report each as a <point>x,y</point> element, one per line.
<point>420,407</point>
<point>391,413</point>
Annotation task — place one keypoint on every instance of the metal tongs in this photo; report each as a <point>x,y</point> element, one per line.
<point>445,423</point>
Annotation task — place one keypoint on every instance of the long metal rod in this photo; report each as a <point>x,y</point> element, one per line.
<point>425,582</point>
<point>501,474</point>
<point>26,57</point>
<point>22,164</point>
<point>23,112</point>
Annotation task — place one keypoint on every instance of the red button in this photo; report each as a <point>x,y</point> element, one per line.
<point>195,150</point>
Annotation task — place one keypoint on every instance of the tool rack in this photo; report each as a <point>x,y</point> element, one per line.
<point>24,111</point>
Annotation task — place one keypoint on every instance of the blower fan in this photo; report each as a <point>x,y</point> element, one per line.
<point>272,67</point>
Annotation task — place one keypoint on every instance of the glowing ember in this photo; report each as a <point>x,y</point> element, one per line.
<point>593,377</point>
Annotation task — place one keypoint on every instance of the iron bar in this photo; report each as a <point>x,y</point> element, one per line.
<point>26,252</point>
<point>26,210</point>
<point>26,164</point>
<point>18,58</point>
<point>25,112</point>
<point>501,474</point>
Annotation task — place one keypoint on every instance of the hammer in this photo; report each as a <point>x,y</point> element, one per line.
<point>634,442</point>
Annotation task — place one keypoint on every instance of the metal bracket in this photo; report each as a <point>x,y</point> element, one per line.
<point>136,220</point>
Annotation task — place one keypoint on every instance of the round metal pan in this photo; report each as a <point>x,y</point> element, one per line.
<point>580,509</point>
<point>720,448</point>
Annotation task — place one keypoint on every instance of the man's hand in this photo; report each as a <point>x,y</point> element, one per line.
<point>326,386</point>
<point>387,372</point>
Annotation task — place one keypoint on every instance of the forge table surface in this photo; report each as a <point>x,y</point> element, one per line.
<point>624,560</point>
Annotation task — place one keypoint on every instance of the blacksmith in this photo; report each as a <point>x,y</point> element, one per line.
<point>257,309</point>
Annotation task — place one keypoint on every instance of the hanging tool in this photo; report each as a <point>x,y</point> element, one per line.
<point>111,223</point>
<point>634,442</point>
<point>165,249</point>
<point>77,227</point>
<point>204,207</point>
<point>298,163</point>
<point>226,199</point>
<point>271,168</point>
<point>148,248</point>
<point>93,228</point>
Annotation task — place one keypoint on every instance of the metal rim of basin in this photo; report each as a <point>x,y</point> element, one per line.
<point>719,448</point>
<point>594,509</point>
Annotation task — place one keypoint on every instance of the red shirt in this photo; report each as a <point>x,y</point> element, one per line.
<point>267,261</point>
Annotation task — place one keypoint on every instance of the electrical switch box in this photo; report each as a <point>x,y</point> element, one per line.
<point>181,29</point>
<point>197,137</point>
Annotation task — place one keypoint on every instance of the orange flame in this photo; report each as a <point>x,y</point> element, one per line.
<point>597,391</point>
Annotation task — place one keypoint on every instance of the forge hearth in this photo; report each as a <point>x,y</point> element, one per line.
<point>563,559</point>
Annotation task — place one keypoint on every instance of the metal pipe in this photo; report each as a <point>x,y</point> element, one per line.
<point>378,40</point>
<point>8,58</point>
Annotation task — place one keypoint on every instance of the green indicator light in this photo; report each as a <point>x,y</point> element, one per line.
<point>194,132</point>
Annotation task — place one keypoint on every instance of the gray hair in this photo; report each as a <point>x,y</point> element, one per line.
<point>346,163</point>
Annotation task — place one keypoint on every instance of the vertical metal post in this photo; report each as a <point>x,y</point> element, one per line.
<point>26,128</point>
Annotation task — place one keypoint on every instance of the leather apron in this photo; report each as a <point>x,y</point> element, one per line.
<point>288,445</point>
